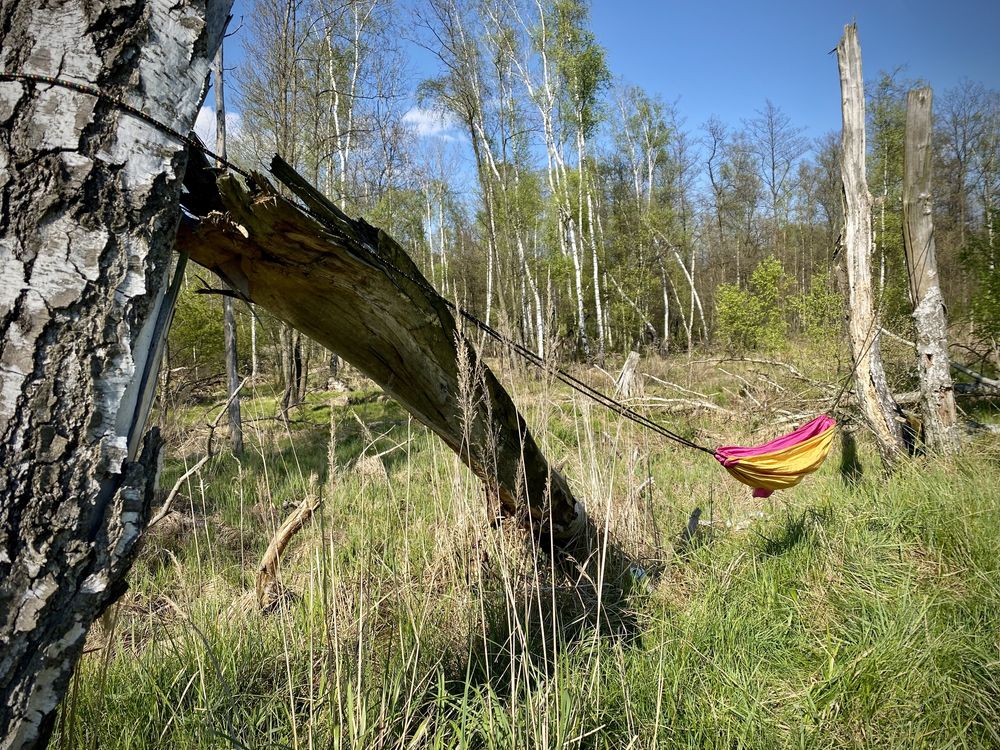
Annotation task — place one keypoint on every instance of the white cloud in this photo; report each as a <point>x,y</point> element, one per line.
<point>204,125</point>
<point>432,123</point>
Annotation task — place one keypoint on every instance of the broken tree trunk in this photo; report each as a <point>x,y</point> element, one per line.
<point>90,208</point>
<point>352,288</point>
<point>937,398</point>
<point>627,385</point>
<point>874,398</point>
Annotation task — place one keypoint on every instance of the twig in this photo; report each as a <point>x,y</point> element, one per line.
<point>209,452</point>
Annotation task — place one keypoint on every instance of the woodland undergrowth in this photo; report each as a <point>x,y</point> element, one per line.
<point>856,610</point>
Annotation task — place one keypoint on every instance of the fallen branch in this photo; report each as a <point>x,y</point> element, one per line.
<point>692,404</point>
<point>790,369</point>
<point>991,387</point>
<point>209,452</point>
<point>270,592</point>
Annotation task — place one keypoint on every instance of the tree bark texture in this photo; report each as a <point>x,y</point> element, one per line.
<point>874,398</point>
<point>326,275</point>
<point>937,397</point>
<point>89,198</point>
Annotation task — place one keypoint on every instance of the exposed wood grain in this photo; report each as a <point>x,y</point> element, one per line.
<point>324,274</point>
<point>937,398</point>
<point>874,398</point>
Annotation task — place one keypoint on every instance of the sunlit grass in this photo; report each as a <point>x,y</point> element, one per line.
<point>858,612</point>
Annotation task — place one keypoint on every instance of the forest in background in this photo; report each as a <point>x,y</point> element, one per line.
<point>577,213</point>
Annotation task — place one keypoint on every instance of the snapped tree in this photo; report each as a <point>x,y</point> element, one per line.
<point>937,396</point>
<point>874,398</point>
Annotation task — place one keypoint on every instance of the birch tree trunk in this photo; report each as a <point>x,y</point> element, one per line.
<point>90,198</point>
<point>937,397</point>
<point>228,315</point>
<point>874,399</point>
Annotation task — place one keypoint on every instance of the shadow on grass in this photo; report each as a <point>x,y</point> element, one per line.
<point>796,530</point>
<point>851,470</point>
<point>529,625</point>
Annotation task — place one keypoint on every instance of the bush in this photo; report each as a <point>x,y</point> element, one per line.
<point>754,318</point>
<point>820,310</point>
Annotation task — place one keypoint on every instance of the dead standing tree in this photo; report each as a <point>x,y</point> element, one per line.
<point>874,398</point>
<point>937,396</point>
<point>90,207</point>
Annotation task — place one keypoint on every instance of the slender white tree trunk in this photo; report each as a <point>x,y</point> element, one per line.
<point>598,305</point>
<point>228,314</point>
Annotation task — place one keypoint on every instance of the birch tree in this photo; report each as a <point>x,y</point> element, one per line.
<point>228,314</point>
<point>91,197</point>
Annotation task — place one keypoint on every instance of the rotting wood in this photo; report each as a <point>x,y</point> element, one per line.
<point>627,385</point>
<point>326,275</point>
<point>874,398</point>
<point>937,400</point>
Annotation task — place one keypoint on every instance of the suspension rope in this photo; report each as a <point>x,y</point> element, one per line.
<point>192,141</point>
<point>314,200</point>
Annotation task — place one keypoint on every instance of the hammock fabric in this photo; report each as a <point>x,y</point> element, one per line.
<point>782,462</point>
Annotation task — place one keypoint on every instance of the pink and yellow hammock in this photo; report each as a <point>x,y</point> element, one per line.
<point>784,461</point>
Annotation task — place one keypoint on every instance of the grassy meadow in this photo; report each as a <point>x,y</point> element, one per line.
<point>856,610</point>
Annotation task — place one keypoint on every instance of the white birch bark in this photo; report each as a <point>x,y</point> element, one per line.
<point>86,239</point>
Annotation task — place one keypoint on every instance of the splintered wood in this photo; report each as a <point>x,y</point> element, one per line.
<point>351,287</point>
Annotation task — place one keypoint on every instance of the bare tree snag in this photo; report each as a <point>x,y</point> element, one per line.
<point>330,277</point>
<point>627,385</point>
<point>89,200</point>
<point>874,398</point>
<point>937,397</point>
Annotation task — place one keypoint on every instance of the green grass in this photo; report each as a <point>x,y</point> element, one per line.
<point>848,612</point>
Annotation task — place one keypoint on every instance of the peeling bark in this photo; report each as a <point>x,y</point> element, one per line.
<point>325,274</point>
<point>874,398</point>
<point>88,211</point>
<point>937,397</point>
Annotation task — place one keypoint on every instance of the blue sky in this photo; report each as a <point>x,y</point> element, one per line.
<point>726,57</point>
